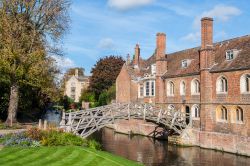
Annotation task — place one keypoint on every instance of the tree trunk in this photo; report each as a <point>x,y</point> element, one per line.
<point>13,105</point>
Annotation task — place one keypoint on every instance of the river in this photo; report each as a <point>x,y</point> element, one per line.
<point>152,152</point>
<point>158,153</point>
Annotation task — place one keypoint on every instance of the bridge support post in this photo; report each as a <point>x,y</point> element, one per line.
<point>144,113</point>
<point>69,124</point>
<point>128,112</point>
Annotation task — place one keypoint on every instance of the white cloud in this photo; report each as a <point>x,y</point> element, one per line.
<point>192,37</point>
<point>219,12</point>
<point>128,4</point>
<point>106,43</point>
<point>63,62</point>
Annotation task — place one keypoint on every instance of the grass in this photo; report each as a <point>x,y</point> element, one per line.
<point>60,156</point>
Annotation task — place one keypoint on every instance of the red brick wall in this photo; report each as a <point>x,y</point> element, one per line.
<point>123,86</point>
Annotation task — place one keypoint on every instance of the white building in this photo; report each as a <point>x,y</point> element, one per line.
<point>75,84</point>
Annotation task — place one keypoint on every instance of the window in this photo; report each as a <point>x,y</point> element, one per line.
<point>152,88</point>
<point>147,88</point>
<point>239,114</point>
<point>170,88</point>
<point>73,89</point>
<point>153,69</point>
<point>141,91</point>
<point>184,63</point>
<point>223,113</point>
<point>221,85</point>
<point>245,83</point>
<point>229,55</point>
<point>196,111</point>
<point>195,87</point>
<point>182,88</point>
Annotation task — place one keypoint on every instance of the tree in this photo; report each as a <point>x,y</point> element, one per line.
<point>105,73</point>
<point>27,29</point>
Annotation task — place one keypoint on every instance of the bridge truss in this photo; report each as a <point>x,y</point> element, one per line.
<point>86,122</point>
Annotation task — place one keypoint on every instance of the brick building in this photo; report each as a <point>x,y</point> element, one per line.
<point>211,82</point>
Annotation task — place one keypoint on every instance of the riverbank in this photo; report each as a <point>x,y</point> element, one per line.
<point>235,144</point>
<point>156,152</point>
<point>61,155</point>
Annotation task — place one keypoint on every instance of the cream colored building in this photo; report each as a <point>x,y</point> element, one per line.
<point>75,84</point>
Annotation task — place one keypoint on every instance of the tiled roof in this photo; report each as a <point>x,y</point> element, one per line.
<point>242,61</point>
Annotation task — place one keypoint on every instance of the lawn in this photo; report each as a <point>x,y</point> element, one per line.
<point>59,156</point>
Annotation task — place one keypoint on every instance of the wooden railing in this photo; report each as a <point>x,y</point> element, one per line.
<point>88,121</point>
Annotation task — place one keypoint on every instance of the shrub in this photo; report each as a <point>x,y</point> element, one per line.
<point>18,139</point>
<point>94,145</point>
<point>58,138</point>
<point>34,133</point>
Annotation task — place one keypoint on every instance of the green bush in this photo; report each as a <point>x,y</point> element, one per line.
<point>94,145</point>
<point>58,138</point>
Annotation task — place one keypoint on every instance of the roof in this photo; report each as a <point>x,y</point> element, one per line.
<point>79,78</point>
<point>241,62</point>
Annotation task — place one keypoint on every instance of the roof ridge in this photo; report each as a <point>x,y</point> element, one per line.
<point>219,42</point>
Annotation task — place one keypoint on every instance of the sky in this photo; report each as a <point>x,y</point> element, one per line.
<point>101,28</point>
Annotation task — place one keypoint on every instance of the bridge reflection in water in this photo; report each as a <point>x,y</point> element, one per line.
<point>159,153</point>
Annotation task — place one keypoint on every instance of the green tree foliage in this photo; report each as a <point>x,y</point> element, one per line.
<point>107,96</point>
<point>26,27</point>
<point>104,74</point>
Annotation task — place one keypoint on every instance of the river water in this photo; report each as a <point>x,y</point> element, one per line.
<point>152,152</point>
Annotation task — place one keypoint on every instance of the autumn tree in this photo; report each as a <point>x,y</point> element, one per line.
<point>27,30</point>
<point>104,74</point>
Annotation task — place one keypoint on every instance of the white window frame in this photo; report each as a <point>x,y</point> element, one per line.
<point>222,85</point>
<point>195,87</point>
<point>230,55</point>
<point>195,111</point>
<point>245,84</point>
<point>184,63</point>
<point>170,88</point>
<point>148,90</point>
<point>141,89</point>
<point>239,115</point>
<point>183,88</point>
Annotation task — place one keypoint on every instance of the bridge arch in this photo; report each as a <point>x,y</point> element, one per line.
<point>88,121</point>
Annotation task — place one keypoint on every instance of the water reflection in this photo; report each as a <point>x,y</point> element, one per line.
<point>158,153</point>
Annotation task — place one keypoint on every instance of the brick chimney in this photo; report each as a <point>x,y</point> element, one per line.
<point>137,55</point>
<point>76,72</point>
<point>160,46</point>
<point>207,57</point>
<point>206,32</point>
<point>161,67</point>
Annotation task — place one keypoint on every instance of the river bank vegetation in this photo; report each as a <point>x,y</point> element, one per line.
<point>54,147</point>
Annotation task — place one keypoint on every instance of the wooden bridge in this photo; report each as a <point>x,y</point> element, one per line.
<point>86,122</point>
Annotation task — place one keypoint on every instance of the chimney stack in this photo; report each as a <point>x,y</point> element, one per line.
<point>76,72</point>
<point>137,55</point>
<point>206,32</point>
<point>160,46</point>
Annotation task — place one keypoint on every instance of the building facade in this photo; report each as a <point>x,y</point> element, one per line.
<point>75,84</point>
<point>210,82</point>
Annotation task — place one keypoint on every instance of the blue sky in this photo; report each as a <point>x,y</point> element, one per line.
<point>113,27</point>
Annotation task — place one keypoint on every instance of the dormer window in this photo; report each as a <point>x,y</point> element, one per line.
<point>230,55</point>
<point>184,63</point>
